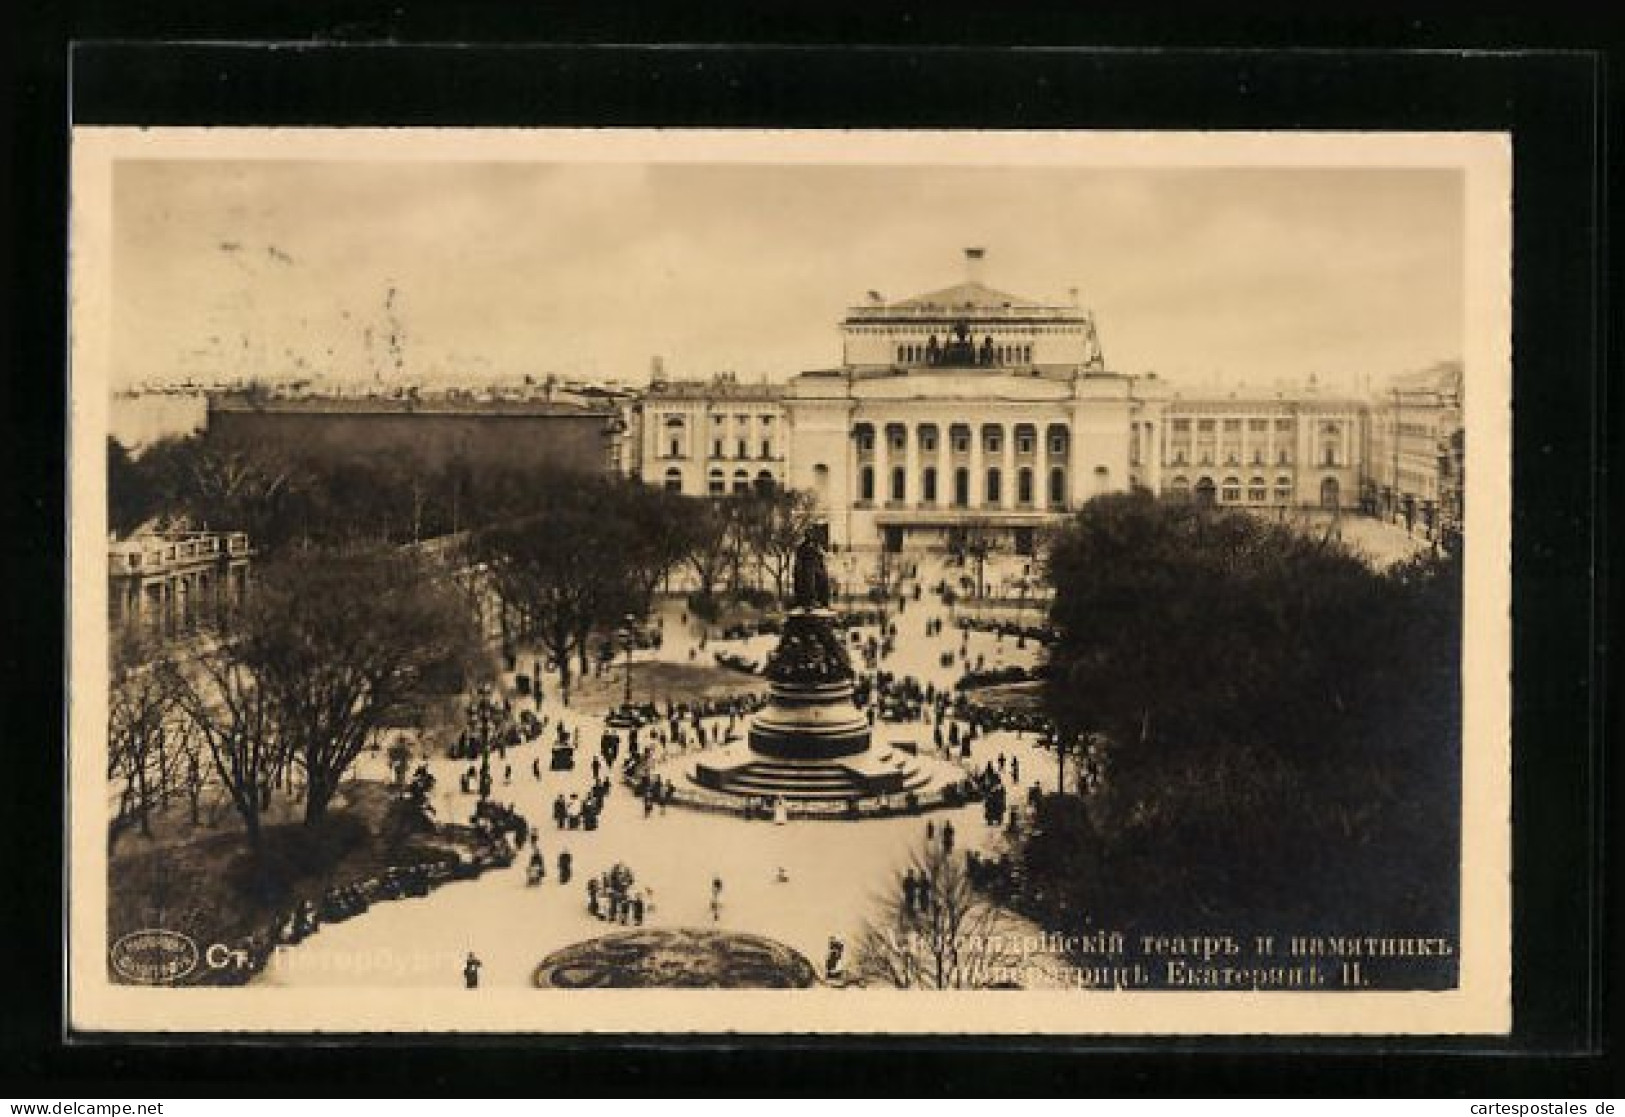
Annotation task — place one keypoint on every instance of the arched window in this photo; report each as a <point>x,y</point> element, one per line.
<point>1180,486</point>
<point>674,480</point>
<point>959,438</point>
<point>899,483</point>
<point>715,483</point>
<point>1056,438</point>
<point>1257,490</point>
<point>1057,487</point>
<point>1283,490</point>
<point>866,438</point>
<point>961,487</point>
<point>928,485</point>
<point>764,482</point>
<point>1026,437</point>
<point>1205,490</point>
<point>1024,486</point>
<point>993,479</point>
<point>741,483</point>
<point>866,483</point>
<point>1231,492</point>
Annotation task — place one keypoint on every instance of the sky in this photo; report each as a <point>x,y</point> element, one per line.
<point>1210,277</point>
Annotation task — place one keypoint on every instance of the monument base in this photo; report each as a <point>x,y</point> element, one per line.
<point>869,774</point>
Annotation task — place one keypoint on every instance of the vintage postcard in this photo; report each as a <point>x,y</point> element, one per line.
<point>671,581</point>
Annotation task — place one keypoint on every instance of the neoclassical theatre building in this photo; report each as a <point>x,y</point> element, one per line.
<point>972,406</point>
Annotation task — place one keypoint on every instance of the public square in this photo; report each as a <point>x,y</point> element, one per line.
<point>798,881</point>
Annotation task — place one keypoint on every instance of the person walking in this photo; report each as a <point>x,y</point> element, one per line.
<point>947,837</point>
<point>471,972</point>
<point>716,899</point>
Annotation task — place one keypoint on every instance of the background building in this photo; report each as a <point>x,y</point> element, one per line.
<point>161,583</point>
<point>963,407</point>
<point>1417,448</point>
<point>585,436</point>
<point>713,437</point>
<point>1302,451</point>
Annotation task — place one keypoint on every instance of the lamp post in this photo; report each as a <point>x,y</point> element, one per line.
<point>481,718</point>
<point>626,642</point>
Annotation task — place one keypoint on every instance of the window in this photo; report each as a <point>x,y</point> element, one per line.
<point>716,448</point>
<point>1283,424</point>
<point>674,480</point>
<point>1024,486</point>
<point>928,439</point>
<point>741,483</point>
<point>961,438</point>
<point>1232,426</point>
<point>1057,487</point>
<point>1231,490</point>
<point>1258,426</point>
<point>1328,455</point>
<point>1205,426</point>
<point>1232,458</point>
<point>899,483</point>
<point>715,484</point>
<point>866,483</point>
<point>866,439</point>
<point>1258,456</point>
<point>1182,426</point>
<point>1257,490</point>
<point>1283,489</point>
<point>1057,441</point>
<point>675,450</point>
<point>896,438</point>
<point>928,485</point>
<point>1283,457</point>
<point>1180,485</point>
<point>744,451</point>
<point>1207,457</point>
<point>961,487</point>
<point>991,440</point>
<point>993,494</point>
<point>1179,457</point>
<point>765,483</point>
<point>1026,437</point>
<point>767,447</point>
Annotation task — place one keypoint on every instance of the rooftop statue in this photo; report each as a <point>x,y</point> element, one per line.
<point>810,578</point>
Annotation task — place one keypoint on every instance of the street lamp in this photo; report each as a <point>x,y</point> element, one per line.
<point>626,641</point>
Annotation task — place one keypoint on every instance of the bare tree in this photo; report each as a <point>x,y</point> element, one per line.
<point>975,540</point>
<point>238,721</point>
<point>775,523</point>
<point>141,718</point>
<point>345,643</point>
<point>940,934</point>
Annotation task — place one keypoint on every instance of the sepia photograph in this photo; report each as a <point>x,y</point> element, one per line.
<point>665,581</point>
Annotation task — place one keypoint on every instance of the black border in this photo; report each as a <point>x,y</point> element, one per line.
<point>1555,104</point>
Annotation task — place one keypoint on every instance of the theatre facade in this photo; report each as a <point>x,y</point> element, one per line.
<point>970,409</point>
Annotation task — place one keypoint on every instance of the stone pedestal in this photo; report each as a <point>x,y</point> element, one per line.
<point>810,741</point>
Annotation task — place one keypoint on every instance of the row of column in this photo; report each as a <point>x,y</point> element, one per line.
<point>1040,460</point>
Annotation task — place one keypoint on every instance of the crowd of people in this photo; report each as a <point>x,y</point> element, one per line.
<point>615,897</point>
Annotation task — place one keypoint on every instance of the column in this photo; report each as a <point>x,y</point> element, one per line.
<point>974,496</point>
<point>881,463</point>
<point>911,466</point>
<point>1007,468</point>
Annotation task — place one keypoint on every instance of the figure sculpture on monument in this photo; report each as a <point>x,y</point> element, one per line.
<point>810,578</point>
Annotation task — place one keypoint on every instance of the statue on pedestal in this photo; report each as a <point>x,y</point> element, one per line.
<point>809,577</point>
